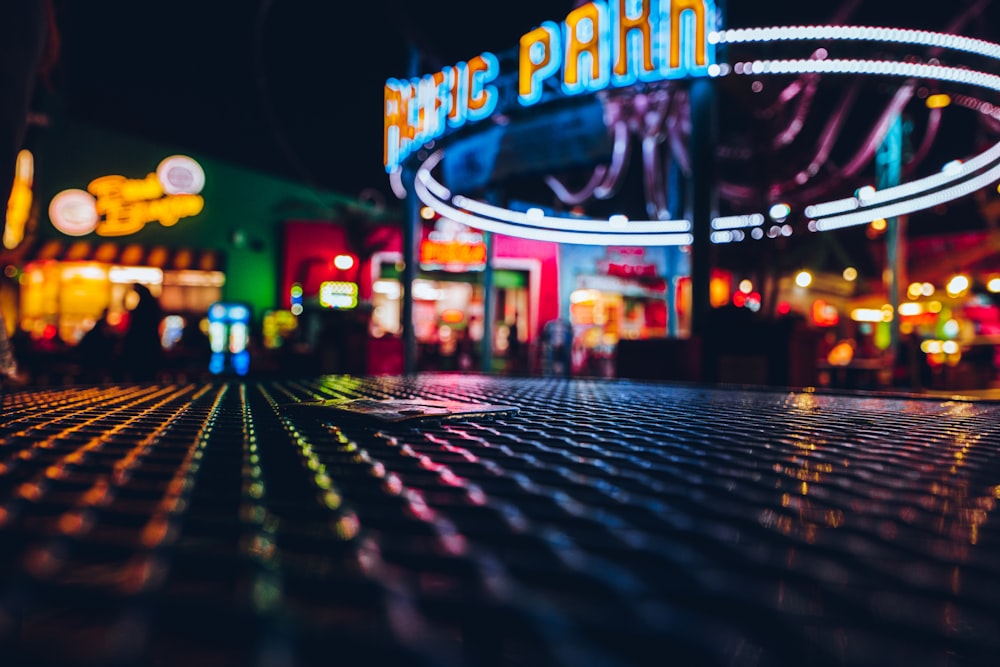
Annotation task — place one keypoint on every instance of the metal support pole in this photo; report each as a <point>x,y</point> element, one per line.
<point>411,239</point>
<point>703,203</point>
<point>888,161</point>
<point>489,307</point>
<point>675,206</point>
<point>703,198</point>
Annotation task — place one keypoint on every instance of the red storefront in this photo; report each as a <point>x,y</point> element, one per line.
<point>346,289</point>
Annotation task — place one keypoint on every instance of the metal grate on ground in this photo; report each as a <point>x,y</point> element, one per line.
<point>608,522</point>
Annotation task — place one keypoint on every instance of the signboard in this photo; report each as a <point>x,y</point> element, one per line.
<point>118,206</point>
<point>451,246</point>
<point>20,200</point>
<point>598,45</point>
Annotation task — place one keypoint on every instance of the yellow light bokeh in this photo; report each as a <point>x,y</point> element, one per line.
<point>938,101</point>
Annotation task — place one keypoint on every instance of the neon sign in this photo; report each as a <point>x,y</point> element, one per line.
<point>616,44</point>
<point>20,200</point>
<point>338,294</point>
<point>420,110</point>
<point>599,45</point>
<point>451,246</point>
<point>118,206</point>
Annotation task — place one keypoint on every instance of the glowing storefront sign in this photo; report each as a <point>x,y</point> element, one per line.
<point>19,202</point>
<point>451,246</point>
<point>599,45</point>
<point>338,294</point>
<point>118,206</point>
<point>229,336</point>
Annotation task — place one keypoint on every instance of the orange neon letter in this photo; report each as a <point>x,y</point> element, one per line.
<point>626,25</point>
<point>677,7</point>
<point>398,130</point>
<point>528,69</point>
<point>477,97</point>
<point>575,46</point>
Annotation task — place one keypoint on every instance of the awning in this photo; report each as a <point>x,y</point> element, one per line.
<point>161,257</point>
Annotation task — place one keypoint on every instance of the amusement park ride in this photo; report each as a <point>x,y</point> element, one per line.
<point>738,134</point>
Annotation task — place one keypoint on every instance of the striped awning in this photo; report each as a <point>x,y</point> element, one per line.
<point>132,254</point>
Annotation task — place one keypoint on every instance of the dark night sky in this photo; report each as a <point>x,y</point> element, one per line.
<point>294,87</point>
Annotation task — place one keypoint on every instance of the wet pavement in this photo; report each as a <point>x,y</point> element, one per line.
<point>585,522</point>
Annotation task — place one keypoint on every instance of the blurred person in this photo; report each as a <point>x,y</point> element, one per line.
<point>190,355</point>
<point>28,48</point>
<point>142,351</point>
<point>8,363</point>
<point>514,348</point>
<point>96,351</point>
<point>557,342</point>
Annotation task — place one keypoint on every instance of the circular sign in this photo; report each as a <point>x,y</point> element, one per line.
<point>74,212</point>
<point>180,175</point>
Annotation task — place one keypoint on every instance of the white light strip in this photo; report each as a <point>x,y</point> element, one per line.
<point>916,187</point>
<point>981,161</point>
<point>858,33</point>
<point>876,205</point>
<point>832,207</point>
<point>873,67</point>
<point>738,221</point>
<point>396,183</point>
<point>440,191</point>
<point>541,234</point>
<point>727,236</point>
<point>569,223</point>
<point>911,205</point>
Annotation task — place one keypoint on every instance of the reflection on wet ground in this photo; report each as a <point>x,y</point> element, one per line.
<point>600,522</point>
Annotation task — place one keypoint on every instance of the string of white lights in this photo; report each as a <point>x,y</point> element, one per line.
<point>905,36</point>
<point>738,221</point>
<point>911,204</point>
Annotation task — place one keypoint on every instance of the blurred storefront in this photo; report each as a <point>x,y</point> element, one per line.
<point>449,293</point>
<point>619,293</point>
<point>947,326</point>
<point>64,288</point>
<point>96,211</point>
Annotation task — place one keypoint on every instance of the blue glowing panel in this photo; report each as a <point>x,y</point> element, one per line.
<point>471,161</point>
<point>573,136</point>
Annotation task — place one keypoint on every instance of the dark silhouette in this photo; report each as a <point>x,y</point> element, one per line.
<point>8,363</point>
<point>97,350</point>
<point>28,48</point>
<point>29,43</point>
<point>515,352</point>
<point>142,351</point>
<point>195,349</point>
<point>557,346</point>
